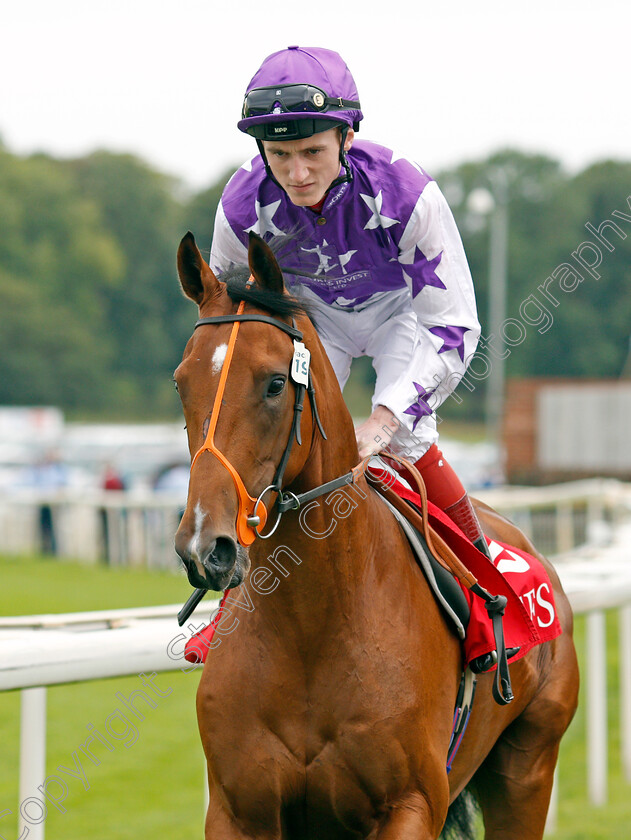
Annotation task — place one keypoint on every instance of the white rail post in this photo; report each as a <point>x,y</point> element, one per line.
<point>595,517</point>
<point>596,707</point>
<point>625,689</point>
<point>32,810</point>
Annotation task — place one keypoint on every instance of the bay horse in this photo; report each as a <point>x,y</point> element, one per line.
<point>327,710</point>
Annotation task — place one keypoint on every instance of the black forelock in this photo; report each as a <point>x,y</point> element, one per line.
<point>276,303</point>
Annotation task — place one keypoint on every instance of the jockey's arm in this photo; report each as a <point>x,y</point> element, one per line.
<point>435,268</point>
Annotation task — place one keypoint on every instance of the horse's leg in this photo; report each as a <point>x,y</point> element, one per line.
<point>514,783</point>
<point>413,818</point>
<point>513,788</point>
<point>221,826</point>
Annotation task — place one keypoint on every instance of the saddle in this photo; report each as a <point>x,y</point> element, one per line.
<point>447,575</point>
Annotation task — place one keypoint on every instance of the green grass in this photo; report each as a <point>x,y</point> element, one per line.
<point>33,585</point>
<point>577,819</point>
<point>151,783</point>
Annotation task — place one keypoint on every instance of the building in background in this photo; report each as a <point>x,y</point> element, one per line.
<point>566,429</point>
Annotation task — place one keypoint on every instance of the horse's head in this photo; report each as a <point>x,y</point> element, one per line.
<point>239,398</point>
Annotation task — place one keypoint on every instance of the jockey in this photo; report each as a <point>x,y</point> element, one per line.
<point>378,257</point>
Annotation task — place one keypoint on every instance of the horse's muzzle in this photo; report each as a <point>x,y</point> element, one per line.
<point>212,567</point>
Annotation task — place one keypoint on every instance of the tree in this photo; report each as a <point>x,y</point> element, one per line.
<point>57,266</point>
<point>145,312</point>
<point>548,211</point>
<point>199,213</point>
<point>92,317</point>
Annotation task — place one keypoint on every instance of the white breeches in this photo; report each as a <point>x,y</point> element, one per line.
<point>385,331</point>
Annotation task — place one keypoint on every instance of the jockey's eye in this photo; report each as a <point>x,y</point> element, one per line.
<point>275,387</point>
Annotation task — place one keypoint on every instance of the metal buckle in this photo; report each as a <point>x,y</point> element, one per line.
<point>254,515</point>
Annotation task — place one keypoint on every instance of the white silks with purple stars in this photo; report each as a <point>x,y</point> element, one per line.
<point>392,280</point>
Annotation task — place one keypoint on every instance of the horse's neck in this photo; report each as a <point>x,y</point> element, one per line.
<point>316,568</point>
<point>337,454</point>
<point>323,553</point>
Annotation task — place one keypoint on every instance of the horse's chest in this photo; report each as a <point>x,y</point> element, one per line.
<point>338,793</point>
<point>328,741</point>
<point>327,766</point>
<point>367,764</point>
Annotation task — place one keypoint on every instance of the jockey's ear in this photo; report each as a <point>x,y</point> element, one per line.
<point>263,265</point>
<point>194,272</point>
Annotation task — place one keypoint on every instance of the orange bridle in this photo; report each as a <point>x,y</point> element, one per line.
<point>252,512</point>
<point>246,525</point>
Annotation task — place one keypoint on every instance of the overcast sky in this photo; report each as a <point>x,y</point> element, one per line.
<point>444,82</point>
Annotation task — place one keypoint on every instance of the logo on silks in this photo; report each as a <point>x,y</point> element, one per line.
<point>324,259</point>
<point>535,594</point>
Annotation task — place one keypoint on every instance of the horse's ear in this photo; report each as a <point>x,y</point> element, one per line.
<point>263,265</point>
<point>194,272</point>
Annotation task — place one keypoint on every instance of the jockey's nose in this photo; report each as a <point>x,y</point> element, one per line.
<point>298,170</point>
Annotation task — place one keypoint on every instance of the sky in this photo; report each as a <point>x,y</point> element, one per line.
<point>442,82</point>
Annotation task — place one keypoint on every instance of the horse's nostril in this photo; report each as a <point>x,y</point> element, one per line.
<point>225,552</point>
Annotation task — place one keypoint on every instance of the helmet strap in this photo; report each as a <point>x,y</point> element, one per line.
<point>348,175</point>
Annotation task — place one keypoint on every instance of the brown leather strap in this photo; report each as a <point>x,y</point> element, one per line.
<point>495,604</point>
<point>438,547</point>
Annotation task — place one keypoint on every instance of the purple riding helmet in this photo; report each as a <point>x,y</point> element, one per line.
<point>299,92</point>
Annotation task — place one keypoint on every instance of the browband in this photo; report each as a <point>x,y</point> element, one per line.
<point>267,319</point>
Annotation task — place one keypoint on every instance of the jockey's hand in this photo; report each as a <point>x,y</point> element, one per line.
<point>375,434</point>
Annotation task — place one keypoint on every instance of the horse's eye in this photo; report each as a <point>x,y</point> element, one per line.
<point>275,388</point>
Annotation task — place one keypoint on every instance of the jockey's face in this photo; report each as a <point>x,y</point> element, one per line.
<point>306,168</point>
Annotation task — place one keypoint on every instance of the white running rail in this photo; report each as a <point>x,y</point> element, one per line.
<point>39,651</point>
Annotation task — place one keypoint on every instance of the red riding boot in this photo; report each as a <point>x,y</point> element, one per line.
<point>446,491</point>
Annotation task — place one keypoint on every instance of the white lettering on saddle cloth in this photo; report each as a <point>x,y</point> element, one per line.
<point>534,599</point>
<point>537,599</point>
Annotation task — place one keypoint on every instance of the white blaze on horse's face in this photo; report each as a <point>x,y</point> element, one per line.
<point>199,522</point>
<point>218,357</point>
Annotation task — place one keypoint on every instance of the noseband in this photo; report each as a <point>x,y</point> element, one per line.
<point>252,512</point>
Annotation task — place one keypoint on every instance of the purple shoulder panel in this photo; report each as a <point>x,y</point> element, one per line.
<point>352,245</point>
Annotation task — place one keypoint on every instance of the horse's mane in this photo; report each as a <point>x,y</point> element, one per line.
<point>276,303</point>
<point>281,304</point>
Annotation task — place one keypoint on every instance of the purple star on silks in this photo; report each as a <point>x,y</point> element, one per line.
<point>423,272</point>
<point>420,407</point>
<point>452,338</point>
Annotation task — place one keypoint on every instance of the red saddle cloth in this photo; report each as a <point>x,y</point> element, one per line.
<point>530,617</point>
